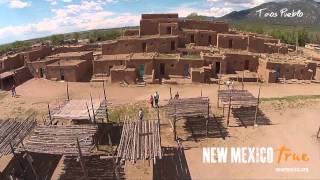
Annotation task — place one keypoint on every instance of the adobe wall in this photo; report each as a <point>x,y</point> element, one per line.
<point>128,75</point>
<point>151,26</point>
<point>103,67</point>
<point>131,32</point>
<point>11,62</point>
<point>72,73</point>
<point>157,16</point>
<point>232,41</point>
<point>175,67</point>
<point>201,38</point>
<point>148,65</point>
<point>212,61</point>
<point>163,28</point>
<point>37,54</point>
<point>135,45</point>
<point>237,62</point>
<point>275,48</point>
<point>65,49</point>
<point>257,44</point>
<point>22,75</point>
<point>293,71</point>
<point>220,27</point>
<point>37,65</point>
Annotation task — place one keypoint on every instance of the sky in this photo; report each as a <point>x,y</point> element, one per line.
<point>26,19</point>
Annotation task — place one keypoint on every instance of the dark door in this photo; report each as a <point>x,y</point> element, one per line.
<point>209,40</point>
<point>62,75</point>
<point>186,70</point>
<point>217,68</point>
<point>41,72</point>
<point>141,70</point>
<point>169,30</point>
<point>230,43</point>
<point>192,38</point>
<point>162,69</point>
<point>144,47</point>
<point>173,45</point>
<point>246,65</point>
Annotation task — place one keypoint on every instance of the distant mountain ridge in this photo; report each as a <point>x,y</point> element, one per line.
<point>306,13</point>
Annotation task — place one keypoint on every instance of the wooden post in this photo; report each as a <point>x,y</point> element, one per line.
<point>104,92</point>
<point>17,157</point>
<point>257,107</point>
<point>68,97</point>
<point>110,140</point>
<point>229,109</point>
<point>201,92</point>
<point>170,93</point>
<point>158,115</point>
<point>49,112</point>
<point>208,118</point>
<point>94,116</point>
<point>174,123</point>
<point>29,160</point>
<point>318,133</point>
<point>242,80</point>
<point>85,173</point>
<point>88,111</point>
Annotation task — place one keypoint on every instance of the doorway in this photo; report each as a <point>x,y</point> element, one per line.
<point>173,45</point>
<point>246,65</point>
<point>42,72</point>
<point>169,30</point>
<point>192,38</point>
<point>217,68</point>
<point>209,40</point>
<point>141,70</point>
<point>144,47</point>
<point>230,43</point>
<point>186,72</point>
<point>162,69</point>
<point>62,77</point>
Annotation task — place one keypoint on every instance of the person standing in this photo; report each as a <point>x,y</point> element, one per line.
<point>151,100</point>
<point>176,96</point>
<point>156,99</point>
<point>13,90</point>
<point>140,114</point>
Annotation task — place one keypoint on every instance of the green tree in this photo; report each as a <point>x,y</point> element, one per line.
<point>195,16</point>
<point>57,39</point>
<point>76,36</point>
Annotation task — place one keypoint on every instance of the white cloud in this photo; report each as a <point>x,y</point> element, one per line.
<point>19,4</point>
<point>74,17</point>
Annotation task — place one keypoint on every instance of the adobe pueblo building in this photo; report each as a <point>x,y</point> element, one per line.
<point>166,47</point>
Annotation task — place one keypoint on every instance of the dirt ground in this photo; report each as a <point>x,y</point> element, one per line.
<point>294,124</point>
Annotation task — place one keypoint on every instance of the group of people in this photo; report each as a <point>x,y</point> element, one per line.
<point>154,100</point>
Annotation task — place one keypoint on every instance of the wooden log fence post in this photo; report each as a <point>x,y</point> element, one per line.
<point>85,172</point>
<point>174,123</point>
<point>94,116</point>
<point>242,83</point>
<point>170,93</point>
<point>68,97</point>
<point>257,107</point>
<point>104,92</point>
<point>88,111</point>
<point>49,112</point>
<point>208,118</point>
<point>229,109</point>
<point>318,133</point>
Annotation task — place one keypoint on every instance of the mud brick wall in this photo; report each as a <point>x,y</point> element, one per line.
<point>201,38</point>
<point>103,67</point>
<point>22,75</point>
<point>172,27</point>
<point>220,27</point>
<point>65,49</point>
<point>154,44</point>
<point>151,26</point>
<point>293,71</point>
<point>257,44</point>
<point>11,62</point>
<point>240,62</point>
<point>37,54</point>
<point>35,67</point>
<point>128,75</point>
<point>131,32</point>
<point>232,41</point>
<point>74,73</point>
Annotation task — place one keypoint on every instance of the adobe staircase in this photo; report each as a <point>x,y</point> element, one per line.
<point>99,78</point>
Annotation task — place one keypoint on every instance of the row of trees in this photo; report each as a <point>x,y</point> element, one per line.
<point>93,36</point>
<point>18,45</point>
